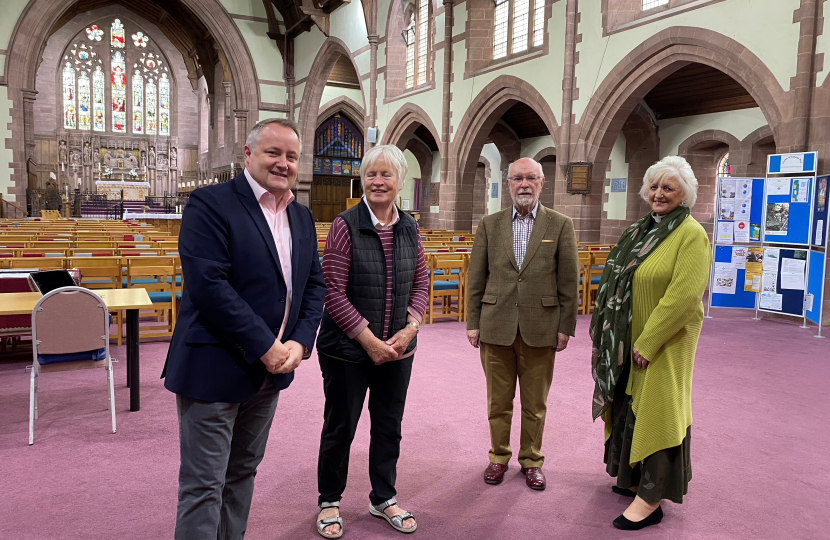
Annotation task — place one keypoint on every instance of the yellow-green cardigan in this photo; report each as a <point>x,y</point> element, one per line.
<point>667,317</point>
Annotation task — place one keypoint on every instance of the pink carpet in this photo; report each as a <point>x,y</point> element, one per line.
<point>759,437</point>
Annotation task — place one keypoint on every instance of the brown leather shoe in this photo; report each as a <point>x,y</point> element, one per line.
<point>494,473</point>
<point>535,478</point>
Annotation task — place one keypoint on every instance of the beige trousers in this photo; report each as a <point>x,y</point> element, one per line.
<point>533,367</point>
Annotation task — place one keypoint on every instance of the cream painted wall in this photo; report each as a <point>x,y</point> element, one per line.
<point>737,123</point>
<point>332,92</point>
<point>348,23</point>
<point>413,171</point>
<point>616,206</point>
<point>531,147</point>
<point>270,93</point>
<point>251,8</point>
<point>5,155</point>
<point>12,10</point>
<point>306,47</point>
<point>491,153</point>
<point>264,51</point>
<point>765,28</point>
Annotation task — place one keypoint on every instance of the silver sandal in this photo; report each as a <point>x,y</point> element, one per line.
<point>396,522</point>
<point>323,523</point>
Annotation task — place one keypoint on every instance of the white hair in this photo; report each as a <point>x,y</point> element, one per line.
<point>392,155</point>
<point>672,167</point>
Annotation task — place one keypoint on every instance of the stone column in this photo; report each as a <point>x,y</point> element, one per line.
<point>803,82</point>
<point>372,109</point>
<point>445,112</point>
<point>241,117</point>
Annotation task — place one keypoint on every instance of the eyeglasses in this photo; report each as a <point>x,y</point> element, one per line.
<point>530,178</point>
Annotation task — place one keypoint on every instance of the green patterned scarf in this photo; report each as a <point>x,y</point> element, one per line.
<point>610,328</point>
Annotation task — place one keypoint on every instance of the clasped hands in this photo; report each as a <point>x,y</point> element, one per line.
<point>283,357</point>
<point>386,351</point>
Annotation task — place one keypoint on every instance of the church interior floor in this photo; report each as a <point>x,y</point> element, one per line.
<point>760,400</point>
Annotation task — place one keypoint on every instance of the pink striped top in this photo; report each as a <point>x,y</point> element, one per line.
<point>337,258</point>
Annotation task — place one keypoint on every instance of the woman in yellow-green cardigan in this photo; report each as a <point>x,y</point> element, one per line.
<point>645,330</point>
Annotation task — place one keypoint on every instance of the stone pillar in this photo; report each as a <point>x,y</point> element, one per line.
<point>803,82</point>
<point>371,108</point>
<point>445,117</point>
<point>289,86</point>
<point>241,117</point>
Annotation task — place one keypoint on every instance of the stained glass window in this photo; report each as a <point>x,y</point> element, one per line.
<point>146,99</point>
<point>648,4</point>
<point>119,93</point>
<point>98,111</point>
<point>724,169</point>
<point>409,36</point>
<point>117,35</point>
<point>138,102</point>
<point>140,39</point>
<point>84,102</point>
<point>500,20</point>
<point>423,43</point>
<point>520,13</point>
<point>539,23</point>
<point>164,105</point>
<point>152,104</point>
<point>93,33</point>
<point>68,96</point>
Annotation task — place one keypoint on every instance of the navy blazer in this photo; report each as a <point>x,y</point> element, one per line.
<point>233,302</point>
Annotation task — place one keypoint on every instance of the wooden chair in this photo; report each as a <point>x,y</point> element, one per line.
<point>598,260</point>
<point>101,273</point>
<point>584,269</point>
<point>69,332</point>
<point>447,278</point>
<point>157,276</point>
<point>41,263</point>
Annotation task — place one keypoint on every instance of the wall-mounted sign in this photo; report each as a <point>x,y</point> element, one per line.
<point>618,185</point>
<point>579,177</point>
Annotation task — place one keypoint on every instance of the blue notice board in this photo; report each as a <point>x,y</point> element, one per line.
<point>746,188</point>
<point>786,214</point>
<point>821,212</point>
<point>803,162</point>
<point>792,302</point>
<point>741,299</point>
<point>815,285</point>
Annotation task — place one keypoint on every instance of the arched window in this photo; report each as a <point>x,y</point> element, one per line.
<point>724,170</point>
<point>648,4</point>
<point>516,25</point>
<point>138,91</point>
<point>416,37</point>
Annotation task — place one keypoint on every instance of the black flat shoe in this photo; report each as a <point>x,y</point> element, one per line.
<point>624,492</point>
<point>624,524</point>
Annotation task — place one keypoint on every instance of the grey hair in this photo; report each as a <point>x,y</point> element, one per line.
<point>393,156</point>
<point>672,167</point>
<point>253,136</point>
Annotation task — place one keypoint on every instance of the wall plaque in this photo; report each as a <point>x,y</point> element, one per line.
<point>579,177</point>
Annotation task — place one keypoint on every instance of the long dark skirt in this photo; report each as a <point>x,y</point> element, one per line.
<point>662,475</point>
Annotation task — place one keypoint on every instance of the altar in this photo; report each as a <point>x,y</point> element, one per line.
<point>133,191</point>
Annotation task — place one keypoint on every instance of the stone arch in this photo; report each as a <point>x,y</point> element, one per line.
<point>655,59</point>
<point>326,57</point>
<point>545,154</point>
<point>754,151</point>
<point>423,155</point>
<point>403,124</point>
<point>703,150</point>
<point>480,191</point>
<point>510,150</point>
<point>29,38</point>
<point>473,131</point>
<point>346,106</point>
<point>547,159</point>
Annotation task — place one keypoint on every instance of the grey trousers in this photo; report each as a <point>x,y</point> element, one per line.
<point>221,446</point>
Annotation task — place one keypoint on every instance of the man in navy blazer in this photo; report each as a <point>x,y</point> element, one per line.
<point>251,307</point>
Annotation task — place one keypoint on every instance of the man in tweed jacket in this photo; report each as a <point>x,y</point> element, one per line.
<point>521,303</point>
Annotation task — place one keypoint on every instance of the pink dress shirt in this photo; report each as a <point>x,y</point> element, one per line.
<point>277,218</point>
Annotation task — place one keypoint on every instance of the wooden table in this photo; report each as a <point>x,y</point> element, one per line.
<point>130,300</point>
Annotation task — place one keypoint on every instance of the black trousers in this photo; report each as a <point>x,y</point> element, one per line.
<point>345,385</point>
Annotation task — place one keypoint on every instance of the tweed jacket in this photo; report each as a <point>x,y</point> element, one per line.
<point>540,300</point>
